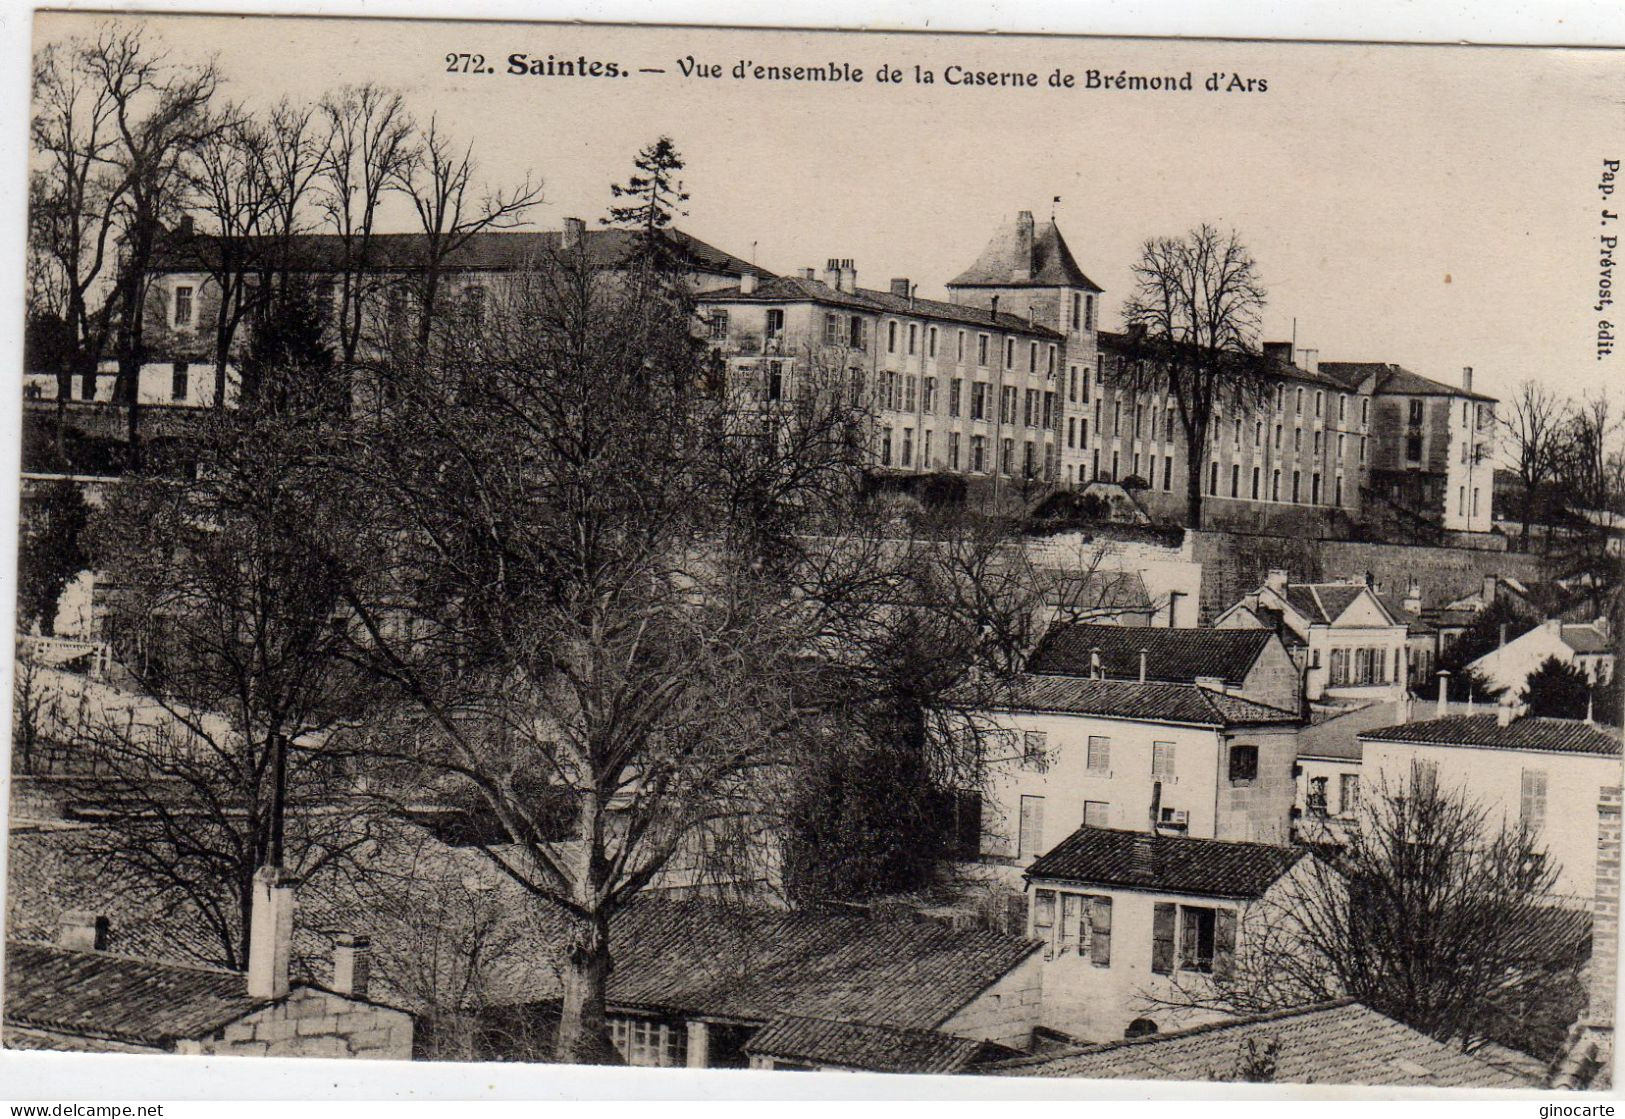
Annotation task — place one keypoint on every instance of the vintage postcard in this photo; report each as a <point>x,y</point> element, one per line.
<point>996,556</point>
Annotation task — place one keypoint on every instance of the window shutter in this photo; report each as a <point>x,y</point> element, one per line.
<point>1190,941</point>
<point>1162,938</point>
<point>1100,931</point>
<point>1224,943</point>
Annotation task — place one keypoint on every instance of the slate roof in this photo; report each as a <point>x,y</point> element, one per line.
<point>1329,1043</point>
<point>489,251</point>
<point>141,1002</point>
<point>1322,603</point>
<point>1050,264</point>
<point>1172,655</point>
<point>1532,732</point>
<point>1151,702</point>
<point>871,1048</point>
<point>1586,639</point>
<point>1395,379</point>
<point>799,289</point>
<point>755,965</point>
<point>1167,864</point>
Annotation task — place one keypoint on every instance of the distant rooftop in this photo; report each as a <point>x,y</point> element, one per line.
<point>1168,864</point>
<point>1396,379</point>
<point>1152,702</point>
<point>1172,655</point>
<point>1024,255</point>
<point>798,289</point>
<point>1532,732</point>
<point>1339,1042</point>
<point>850,1045</point>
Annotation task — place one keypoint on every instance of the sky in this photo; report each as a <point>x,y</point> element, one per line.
<point>1436,207</point>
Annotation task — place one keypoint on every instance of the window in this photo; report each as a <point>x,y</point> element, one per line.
<point>1007,455</point>
<point>955,386</point>
<point>1235,480</point>
<point>1475,501</point>
<point>908,393</point>
<point>1532,802</point>
<point>1461,502</point>
<point>1097,814</point>
<point>1340,448</point>
<point>1416,413</point>
<point>1031,839</point>
<point>1072,432</point>
<point>1213,480</point>
<point>1296,477</point>
<point>1167,473</point>
<point>178,378</point>
<point>1033,749</point>
<point>885,446</point>
<point>1162,938</point>
<point>1257,475</point>
<point>1318,396</point>
<point>1258,434</point>
<point>1029,416</point>
<point>1027,459</point>
<point>1362,449</point>
<point>1348,793</point>
<point>1049,361</point>
<point>1243,765</point>
<point>1297,439</point>
<point>891,338</point>
<point>1317,444</point>
<point>648,1043</point>
<point>978,454</point>
<point>1077,310</point>
<point>1115,473</point>
<point>1342,407</point>
<point>1207,939</point>
<point>858,333</point>
<point>953,450</point>
<point>960,356</point>
<point>775,380</point>
<point>1007,404</point>
<point>1049,410</point>
<point>719,325</point>
<point>1009,353</point>
<point>775,319</point>
<point>1314,489</point>
<point>1043,914</point>
<point>979,400</point>
<point>183,306</point>
<point>1089,313</point>
<point>1032,357</point>
<point>925,450</point>
<point>1277,437</point>
<point>832,330</point>
<point>1100,754</point>
<point>1117,418</point>
<point>928,395</point>
<point>1300,402</point>
<point>981,349</point>
<point>913,337</point>
<point>1413,448</point>
<point>1100,931</point>
<point>1424,776</point>
<point>1337,494</point>
<point>1162,761</point>
<point>908,446</point>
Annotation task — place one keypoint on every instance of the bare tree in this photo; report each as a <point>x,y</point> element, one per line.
<point>1432,912</point>
<point>440,183</point>
<point>1534,428</point>
<point>1193,322</point>
<point>366,147</point>
<point>1591,481</point>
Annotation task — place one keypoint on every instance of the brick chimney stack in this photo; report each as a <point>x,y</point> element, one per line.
<point>1022,267</point>
<point>575,232</point>
<point>271,933</point>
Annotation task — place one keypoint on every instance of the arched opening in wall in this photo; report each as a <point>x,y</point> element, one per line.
<point>1140,1027</point>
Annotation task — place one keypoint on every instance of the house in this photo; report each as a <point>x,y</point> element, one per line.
<point>1182,758</point>
<point>1252,663</point>
<point>1526,771</point>
<point>75,995</point>
<point>1431,443</point>
<point>1587,646</point>
<point>702,985</point>
<point>1352,647</point>
<point>1339,1042</point>
<point>1133,922</point>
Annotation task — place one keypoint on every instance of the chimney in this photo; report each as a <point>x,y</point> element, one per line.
<point>1413,597</point>
<point>1467,378</point>
<point>1278,352</point>
<point>900,287</point>
<point>575,232</point>
<point>185,229</point>
<point>849,276</point>
<point>1250,602</point>
<point>1310,360</point>
<point>809,274</point>
<point>1488,591</point>
<point>1276,579</point>
<point>352,964</point>
<point>1022,267</point>
<point>1156,805</point>
<point>1504,711</point>
<point>1144,653</point>
<point>83,930</point>
<point>1095,670</point>
<point>271,933</point>
<point>1402,706</point>
<point>1502,639</point>
<point>747,283</point>
<point>832,273</point>
<point>1444,693</point>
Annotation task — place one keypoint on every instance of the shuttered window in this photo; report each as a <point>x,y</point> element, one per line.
<point>1162,760</point>
<point>1032,826</point>
<point>1100,754</point>
<point>1100,931</point>
<point>1162,938</point>
<point>1533,800</point>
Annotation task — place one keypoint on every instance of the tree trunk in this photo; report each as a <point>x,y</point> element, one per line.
<point>1193,490</point>
<point>583,1037</point>
<point>1528,513</point>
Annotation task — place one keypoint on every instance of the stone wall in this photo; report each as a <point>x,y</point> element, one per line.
<point>1007,1011</point>
<point>313,1023</point>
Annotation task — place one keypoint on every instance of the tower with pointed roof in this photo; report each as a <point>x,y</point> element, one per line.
<point>1029,271</point>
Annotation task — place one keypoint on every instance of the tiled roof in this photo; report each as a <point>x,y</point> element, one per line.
<point>706,959</point>
<point>1532,732</point>
<point>121,998</point>
<point>799,289</point>
<point>1120,342</point>
<point>1586,639</point>
<point>1172,655</point>
<point>1170,864</point>
<point>1098,591</point>
<point>1050,263</point>
<point>1129,699</point>
<point>1329,1043</point>
<point>849,1045</point>
<point>491,251</point>
<point>1396,379</point>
